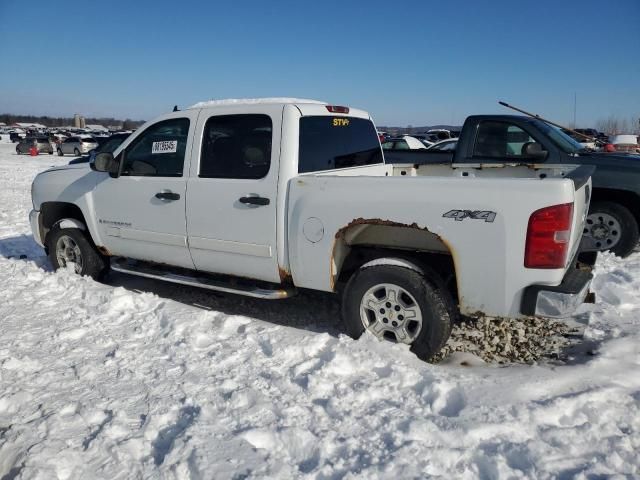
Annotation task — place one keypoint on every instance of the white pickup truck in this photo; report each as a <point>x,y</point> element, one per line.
<point>264,197</point>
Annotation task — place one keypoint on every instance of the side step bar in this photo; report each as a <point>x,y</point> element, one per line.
<point>219,284</point>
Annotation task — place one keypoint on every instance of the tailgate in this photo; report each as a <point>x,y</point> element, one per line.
<point>581,177</point>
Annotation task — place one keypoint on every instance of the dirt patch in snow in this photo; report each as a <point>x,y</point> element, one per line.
<point>497,340</point>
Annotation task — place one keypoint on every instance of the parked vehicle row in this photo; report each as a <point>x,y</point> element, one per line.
<point>266,197</point>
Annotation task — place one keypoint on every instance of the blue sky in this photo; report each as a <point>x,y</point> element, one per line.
<point>406,62</point>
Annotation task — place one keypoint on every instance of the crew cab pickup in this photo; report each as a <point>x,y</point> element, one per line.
<point>614,215</point>
<point>265,197</point>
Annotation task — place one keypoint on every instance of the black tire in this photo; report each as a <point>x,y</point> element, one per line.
<point>626,239</point>
<point>17,151</point>
<point>433,300</point>
<point>76,152</point>
<point>51,152</point>
<point>60,154</point>
<point>93,263</point>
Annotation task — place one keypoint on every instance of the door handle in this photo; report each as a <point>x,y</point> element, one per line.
<point>168,195</point>
<point>254,200</point>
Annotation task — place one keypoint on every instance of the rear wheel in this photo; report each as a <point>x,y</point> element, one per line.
<point>71,246</point>
<point>76,152</point>
<point>17,151</point>
<point>398,304</point>
<point>611,226</point>
<point>60,152</point>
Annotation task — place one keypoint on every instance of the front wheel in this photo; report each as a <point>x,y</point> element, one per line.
<point>70,246</point>
<point>17,151</point>
<point>76,152</point>
<point>611,226</point>
<point>398,304</point>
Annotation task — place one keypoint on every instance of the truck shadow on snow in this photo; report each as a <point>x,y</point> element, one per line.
<point>309,310</point>
<point>24,247</point>
<point>313,311</point>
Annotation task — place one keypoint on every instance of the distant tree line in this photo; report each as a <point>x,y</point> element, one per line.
<point>126,124</point>
<point>613,125</point>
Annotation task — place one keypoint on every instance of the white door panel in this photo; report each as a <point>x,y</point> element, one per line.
<point>141,214</point>
<point>228,232</point>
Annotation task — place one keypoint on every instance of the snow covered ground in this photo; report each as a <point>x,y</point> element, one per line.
<point>139,379</point>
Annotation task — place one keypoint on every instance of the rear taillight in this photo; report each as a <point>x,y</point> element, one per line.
<point>337,109</point>
<point>548,236</point>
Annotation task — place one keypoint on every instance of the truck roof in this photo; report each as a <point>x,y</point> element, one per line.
<point>521,118</point>
<point>253,101</point>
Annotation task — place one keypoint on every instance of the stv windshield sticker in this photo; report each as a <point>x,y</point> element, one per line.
<point>170,146</point>
<point>340,122</point>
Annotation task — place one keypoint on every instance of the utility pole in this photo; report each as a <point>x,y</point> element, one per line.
<point>575,103</point>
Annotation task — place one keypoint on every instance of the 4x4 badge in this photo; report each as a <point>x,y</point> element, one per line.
<point>459,215</point>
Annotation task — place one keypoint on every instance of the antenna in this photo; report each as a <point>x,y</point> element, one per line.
<point>175,108</point>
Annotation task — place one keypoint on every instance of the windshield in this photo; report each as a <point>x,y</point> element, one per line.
<point>563,141</point>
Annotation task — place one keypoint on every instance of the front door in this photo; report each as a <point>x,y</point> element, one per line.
<point>141,214</point>
<point>231,204</point>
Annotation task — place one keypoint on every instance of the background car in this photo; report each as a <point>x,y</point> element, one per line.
<point>109,145</point>
<point>42,143</point>
<point>448,145</point>
<point>77,146</point>
<point>424,138</point>
<point>626,143</point>
<point>405,142</point>
<point>16,136</point>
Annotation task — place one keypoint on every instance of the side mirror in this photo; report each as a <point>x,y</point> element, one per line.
<point>534,150</point>
<point>104,162</point>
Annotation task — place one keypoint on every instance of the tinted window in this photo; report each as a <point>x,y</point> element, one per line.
<point>500,140</point>
<point>88,140</point>
<point>337,142</point>
<point>236,146</point>
<point>159,150</point>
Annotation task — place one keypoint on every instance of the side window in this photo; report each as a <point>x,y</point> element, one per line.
<point>402,145</point>
<point>501,140</point>
<point>236,146</point>
<point>159,150</point>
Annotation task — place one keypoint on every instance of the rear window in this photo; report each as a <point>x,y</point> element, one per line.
<point>327,143</point>
<point>88,140</point>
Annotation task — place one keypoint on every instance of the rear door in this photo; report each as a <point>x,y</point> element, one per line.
<point>69,144</point>
<point>141,214</point>
<point>232,190</point>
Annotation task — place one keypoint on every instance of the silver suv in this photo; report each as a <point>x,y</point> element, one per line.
<point>41,143</point>
<point>77,146</point>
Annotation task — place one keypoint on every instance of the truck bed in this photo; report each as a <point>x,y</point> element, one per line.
<point>418,157</point>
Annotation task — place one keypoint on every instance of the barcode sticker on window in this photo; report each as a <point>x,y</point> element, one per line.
<point>170,146</point>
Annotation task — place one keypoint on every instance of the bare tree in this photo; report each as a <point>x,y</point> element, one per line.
<point>613,125</point>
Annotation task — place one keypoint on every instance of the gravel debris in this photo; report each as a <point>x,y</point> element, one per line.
<point>503,341</point>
